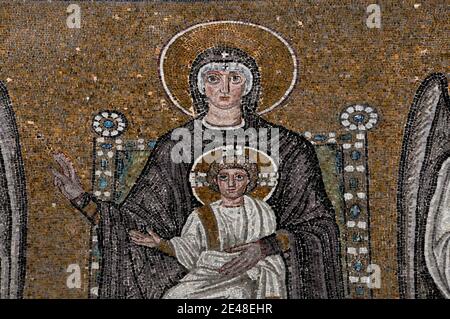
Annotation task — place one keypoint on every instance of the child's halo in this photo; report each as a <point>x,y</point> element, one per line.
<point>267,177</point>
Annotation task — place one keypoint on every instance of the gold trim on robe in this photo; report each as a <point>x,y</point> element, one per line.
<point>209,222</point>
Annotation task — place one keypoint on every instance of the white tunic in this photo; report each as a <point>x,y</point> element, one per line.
<point>437,233</point>
<point>239,225</point>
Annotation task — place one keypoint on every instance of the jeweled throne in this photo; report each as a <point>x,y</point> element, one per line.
<point>343,160</point>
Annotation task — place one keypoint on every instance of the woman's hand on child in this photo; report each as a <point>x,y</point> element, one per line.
<point>250,255</point>
<point>151,240</point>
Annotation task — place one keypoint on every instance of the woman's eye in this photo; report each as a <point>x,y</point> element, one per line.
<point>223,177</point>
<point>239,177</point>
<point>213,79</point>
<point>236,79</point>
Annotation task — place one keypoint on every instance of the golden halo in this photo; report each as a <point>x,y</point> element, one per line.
<point>267,177</point>
<point>275,58</point>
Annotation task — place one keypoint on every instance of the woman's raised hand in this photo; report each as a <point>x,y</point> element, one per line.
<point>67,181</point>
<point>151,240</point>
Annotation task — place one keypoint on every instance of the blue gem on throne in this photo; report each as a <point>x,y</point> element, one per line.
<point>359,118</point>
<point>358,266</point>
<point>355,155</point>
<point>108,123</point>
<point>319,137</point>
<point>102,183</point>
<point>355,211</point>
<point>120,167</point>
<point>152,144</point>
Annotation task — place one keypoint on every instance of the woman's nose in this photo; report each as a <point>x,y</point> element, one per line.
<point>225,88</point>
<point>231,182</point>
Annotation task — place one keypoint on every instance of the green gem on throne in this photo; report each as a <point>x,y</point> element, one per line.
<point>356,238</point>
<point>353,183</point>
<point>346,137</point>
<point>95,251</point>
<point>359,291</point>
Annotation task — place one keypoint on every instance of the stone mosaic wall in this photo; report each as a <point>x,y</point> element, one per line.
<point>354,76</point>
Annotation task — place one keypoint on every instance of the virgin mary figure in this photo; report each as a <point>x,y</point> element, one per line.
<point>225,74</point>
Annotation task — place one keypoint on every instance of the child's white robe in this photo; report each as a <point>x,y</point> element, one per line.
<point>236,226</point>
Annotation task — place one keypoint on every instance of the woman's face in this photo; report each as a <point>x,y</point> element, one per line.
<point>224,89</point>
<point>232,182</point>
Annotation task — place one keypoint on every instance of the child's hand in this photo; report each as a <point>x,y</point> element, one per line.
<point>151,240</point>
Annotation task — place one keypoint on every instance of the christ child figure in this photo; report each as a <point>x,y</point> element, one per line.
<point>216,233</point>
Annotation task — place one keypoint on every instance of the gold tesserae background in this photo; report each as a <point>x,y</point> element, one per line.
<point>58,78</point>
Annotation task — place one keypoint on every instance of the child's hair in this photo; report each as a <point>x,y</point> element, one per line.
<point>251,169</point>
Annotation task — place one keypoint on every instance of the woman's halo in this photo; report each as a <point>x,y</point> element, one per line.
<point>275,58</point>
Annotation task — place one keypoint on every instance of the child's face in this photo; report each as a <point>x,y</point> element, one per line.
<point>232,182</point>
